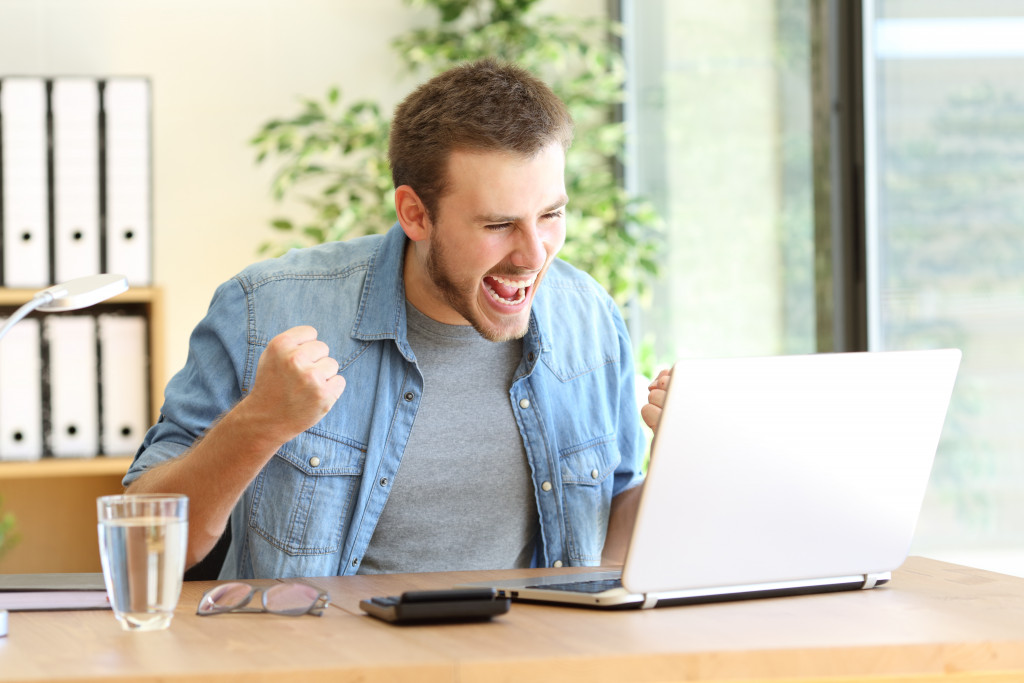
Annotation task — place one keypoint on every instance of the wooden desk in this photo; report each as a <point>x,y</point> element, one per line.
<point>934,621</point>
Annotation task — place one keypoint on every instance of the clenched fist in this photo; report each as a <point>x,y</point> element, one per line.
<point>296,384</point>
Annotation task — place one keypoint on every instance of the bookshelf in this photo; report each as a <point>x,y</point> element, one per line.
<point>53,500</point>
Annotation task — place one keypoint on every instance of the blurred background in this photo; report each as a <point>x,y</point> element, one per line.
<point>816,176</point>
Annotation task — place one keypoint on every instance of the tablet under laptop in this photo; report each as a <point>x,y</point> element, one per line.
<point>776,476</point>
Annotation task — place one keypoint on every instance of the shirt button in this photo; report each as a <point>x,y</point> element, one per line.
<point>524,403</point>
<point>546,486</point>
<point>409,396</point>
<point>594,474</point>
<point>383,481</point>
<point>314,461</point>
<point>557,563</point>
<point>355,561</point>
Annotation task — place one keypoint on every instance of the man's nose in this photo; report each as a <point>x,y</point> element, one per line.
<point>530,251</point>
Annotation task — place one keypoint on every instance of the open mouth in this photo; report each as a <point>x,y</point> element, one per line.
<point>508,291</point>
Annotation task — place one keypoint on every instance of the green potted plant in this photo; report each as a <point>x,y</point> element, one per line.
<point>333,157</point>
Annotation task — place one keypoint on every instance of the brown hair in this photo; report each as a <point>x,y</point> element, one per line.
<point>486,105</point>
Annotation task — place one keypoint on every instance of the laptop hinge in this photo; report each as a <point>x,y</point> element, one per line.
<point>650,600</point>
<point>872,580</point>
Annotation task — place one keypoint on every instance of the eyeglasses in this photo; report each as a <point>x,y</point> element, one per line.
<point>289,599</point>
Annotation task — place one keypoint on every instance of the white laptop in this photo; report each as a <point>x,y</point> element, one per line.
<point>776,476</point>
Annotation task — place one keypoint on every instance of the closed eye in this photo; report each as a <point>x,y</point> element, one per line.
<point>553,215</point>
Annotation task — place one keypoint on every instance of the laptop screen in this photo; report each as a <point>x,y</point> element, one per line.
<point>788,467</point>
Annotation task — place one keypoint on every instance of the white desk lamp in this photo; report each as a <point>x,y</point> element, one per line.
<point>68,296</point>
<point>71,295</point>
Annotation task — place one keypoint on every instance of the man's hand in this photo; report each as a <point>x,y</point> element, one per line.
<point>651,413</point>
<point>296,384</point>
<point>622,516</point>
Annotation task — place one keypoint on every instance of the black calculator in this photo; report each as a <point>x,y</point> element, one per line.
<point>437,606</point>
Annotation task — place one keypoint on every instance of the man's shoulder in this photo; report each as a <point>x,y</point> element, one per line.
<point>329,260</point>
<point>566,281</point>
<point>573,300</point>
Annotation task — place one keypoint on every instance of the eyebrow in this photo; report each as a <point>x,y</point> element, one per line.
<point>498,218</point>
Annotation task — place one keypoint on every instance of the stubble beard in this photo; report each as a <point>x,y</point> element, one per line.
<point>460,297</point>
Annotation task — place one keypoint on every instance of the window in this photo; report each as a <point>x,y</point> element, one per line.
<point>734,138</point>
<point>721,128</point>
<point>944,131</point>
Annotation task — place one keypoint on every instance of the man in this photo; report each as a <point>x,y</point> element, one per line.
<point>445,396</point>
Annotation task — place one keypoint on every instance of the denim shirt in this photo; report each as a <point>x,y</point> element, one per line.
<point>312,509</point>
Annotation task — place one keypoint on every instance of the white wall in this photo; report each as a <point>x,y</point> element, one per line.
<point>219,69</point>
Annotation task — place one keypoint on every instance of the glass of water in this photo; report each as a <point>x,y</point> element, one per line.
<point>143,538</point>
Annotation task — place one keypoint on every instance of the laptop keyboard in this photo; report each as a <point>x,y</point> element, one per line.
<point>595,586</point>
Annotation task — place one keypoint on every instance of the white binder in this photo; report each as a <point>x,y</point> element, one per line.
<point>124,387</point>
<point>126,111</point>
<point>26,228</point>
<point>74,386</point>
<point>75,106</point>
<point>21,394</point>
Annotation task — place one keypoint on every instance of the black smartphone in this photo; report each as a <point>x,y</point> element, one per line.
<point>438,606</point>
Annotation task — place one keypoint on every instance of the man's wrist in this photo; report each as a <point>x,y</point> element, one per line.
<point>252,429</point>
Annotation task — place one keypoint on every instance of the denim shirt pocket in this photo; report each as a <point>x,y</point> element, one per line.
<point>303,497</point>
<point>587,471</point>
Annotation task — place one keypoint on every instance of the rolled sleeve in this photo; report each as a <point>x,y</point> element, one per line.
<point>148,458</point>
<point>208,386</point>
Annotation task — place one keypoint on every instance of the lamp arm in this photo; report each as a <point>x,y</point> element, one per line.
<point>42,298</point>
<point>81,292</point>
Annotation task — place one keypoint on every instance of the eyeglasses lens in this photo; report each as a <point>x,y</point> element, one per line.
<point>290,598</point>
<point>226,597</point>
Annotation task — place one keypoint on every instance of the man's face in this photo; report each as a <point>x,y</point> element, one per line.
<point>496,231</point>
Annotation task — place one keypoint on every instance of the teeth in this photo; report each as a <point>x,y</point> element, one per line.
<point>515,283</point>
<point>521,285</point>
<point>503,300</point>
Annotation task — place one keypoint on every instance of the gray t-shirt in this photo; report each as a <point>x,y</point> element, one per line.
<point>463,496</point>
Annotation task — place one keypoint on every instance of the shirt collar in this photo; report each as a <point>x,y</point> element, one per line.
<point>382,302</point>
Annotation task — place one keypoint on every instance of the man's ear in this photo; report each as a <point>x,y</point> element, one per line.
<point>412,213</point>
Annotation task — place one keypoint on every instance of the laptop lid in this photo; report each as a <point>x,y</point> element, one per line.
<point>778,475</point>
<point>788,468</point>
